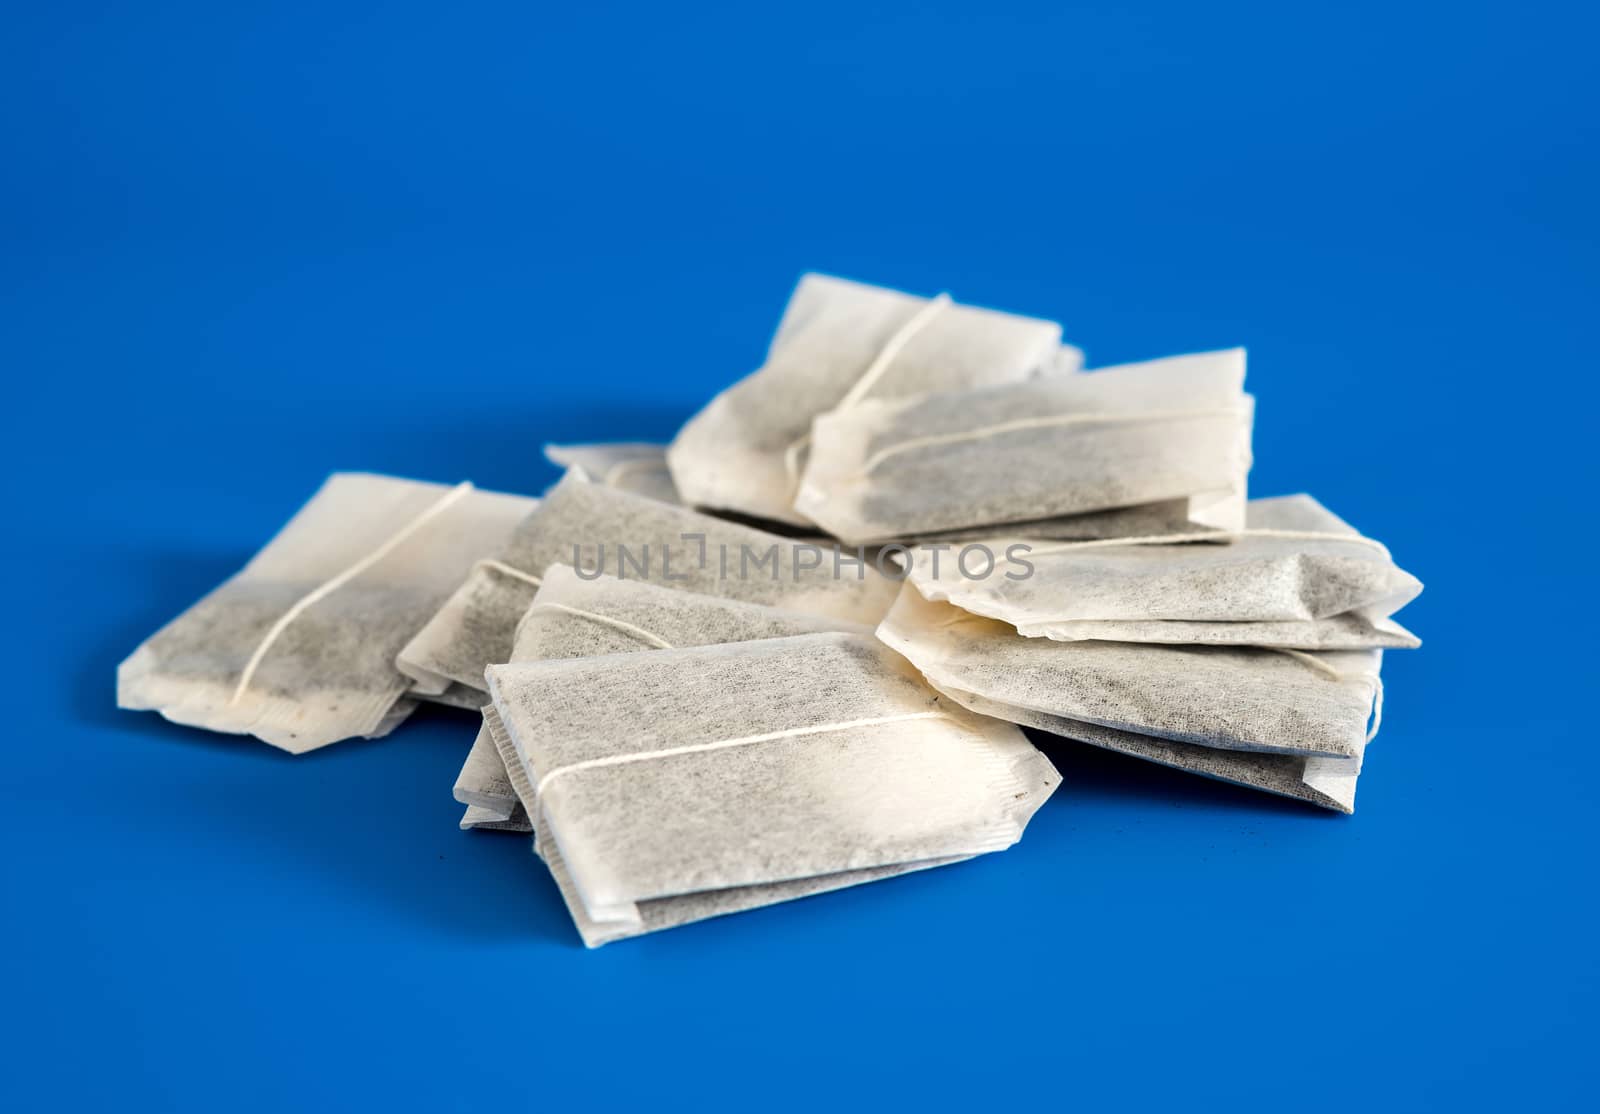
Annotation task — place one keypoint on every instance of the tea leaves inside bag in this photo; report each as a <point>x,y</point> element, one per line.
<point>1297,576</point>
<point>841,342</point>
<point>298,648</point>
<point>1021,452</point>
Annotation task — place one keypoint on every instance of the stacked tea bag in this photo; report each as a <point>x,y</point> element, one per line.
<point>791,651</point>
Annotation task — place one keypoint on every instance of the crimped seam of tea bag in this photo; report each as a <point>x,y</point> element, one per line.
<point>1311,661</point>
<point>1019,424</point>
<point>334,583</point>
<point>1316,663</point>
<point>1177,539</point>
<point>606,620</point>
<point>880,363</point>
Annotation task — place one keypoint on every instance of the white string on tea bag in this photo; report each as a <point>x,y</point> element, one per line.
<point>572,616</point>
<point>632,466</point>
<point>654,777</point>
<point>1297,576</point>
<point>838,343</point>
<point>298,647</point>
<point>601,529</point>
<point>1165,430</point>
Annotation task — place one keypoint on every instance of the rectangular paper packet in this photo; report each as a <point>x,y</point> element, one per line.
<point>1173,429</point>
<point>298,648</point>
<point>678,784</point>
<point>1285,721</point>
<point>573,617</point>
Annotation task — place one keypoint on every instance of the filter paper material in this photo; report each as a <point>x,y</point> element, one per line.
<point>1175,429</point>
<point>679,772</point>
<point>298,647</point>
<point>605,530</point>
<point>841,342</point>
<point>1296,577</point>
<point>1221,697</point>
<point>573,617</point>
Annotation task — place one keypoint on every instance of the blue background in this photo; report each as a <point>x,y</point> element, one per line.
<point>244,248</point>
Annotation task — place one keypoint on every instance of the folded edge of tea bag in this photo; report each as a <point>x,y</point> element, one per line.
<point>483,781</point>
<point>478,819</point>
<point>1326,782</point>
<point>1350,631</point>
<point>476,625</point>
<point>924,633</point>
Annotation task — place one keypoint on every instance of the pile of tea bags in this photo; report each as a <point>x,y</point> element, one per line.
<point>791,651</point>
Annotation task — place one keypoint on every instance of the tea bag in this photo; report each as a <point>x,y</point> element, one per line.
<point>603,529</point>
<point>572,616</point>
<point>839,343</point>
<point>298,647</point>
<point>1316,779</point>
<point>1226,697</point>
<point>632,466</point>
<point>484,787</point>
<point>687,775</point>
<point>1173,429</point>
<point>486,820</point>
<point>1297,576</point>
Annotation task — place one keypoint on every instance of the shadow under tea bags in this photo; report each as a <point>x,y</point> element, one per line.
<point>633,537</point>
<point>1297,576</point>
<point>839,343</point>
<point>675,776</point>
<point>298,647</point>
<point>1173,429</point>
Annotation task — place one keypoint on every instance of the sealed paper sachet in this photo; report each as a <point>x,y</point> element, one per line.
<point>1156,432</point>
<point>298,648</point>
<point>606,530</point>
<point>575,615</point>
<point>841,343</point>
<point>655,777</point>
<point>1296,576</point>
<point>630,465</point>
<point>1317,709</point>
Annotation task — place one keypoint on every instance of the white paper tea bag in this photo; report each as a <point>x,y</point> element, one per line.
<point>840,343</point>
<point>1226,697</point>
<point>683,774</point>
<point>1316,779</point>
<point>298,648</point>
<point>1297,576</point>
<point>484,786</point>
<point>573,617</point>
<point>1173,429</point>
<point>633,538</point>
<point>476,819</point>
<point>632,466</point>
